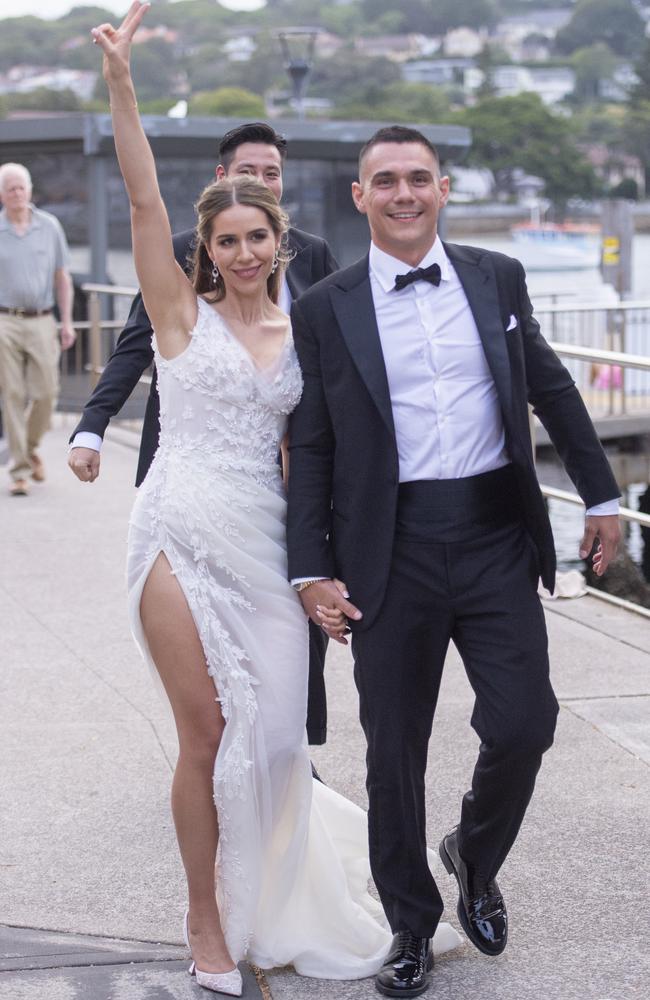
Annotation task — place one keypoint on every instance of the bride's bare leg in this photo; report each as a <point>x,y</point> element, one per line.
<point>178,654</point>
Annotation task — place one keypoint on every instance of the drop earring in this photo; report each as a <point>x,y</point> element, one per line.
<point>274,265</point>
<point>215,273</point>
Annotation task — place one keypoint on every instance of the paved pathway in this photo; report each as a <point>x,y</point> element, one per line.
<point>89,875</point>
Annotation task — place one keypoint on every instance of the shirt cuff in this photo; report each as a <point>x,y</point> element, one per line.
<point>85,439</point>
<point>603,509</point>
<point>303,579</point>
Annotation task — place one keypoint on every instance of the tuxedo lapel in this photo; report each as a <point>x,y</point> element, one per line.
<point>354,308</point>
<point>476,275</point>
<point>299,276</point>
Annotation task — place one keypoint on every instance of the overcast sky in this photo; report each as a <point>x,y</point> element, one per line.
<point>55,8</point>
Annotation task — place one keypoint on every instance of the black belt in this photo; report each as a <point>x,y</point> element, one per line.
<point>25,313</point>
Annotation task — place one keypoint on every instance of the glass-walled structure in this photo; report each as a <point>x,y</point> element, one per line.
<point>72,161</point>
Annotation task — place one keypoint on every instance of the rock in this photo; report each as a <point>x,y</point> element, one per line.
<point>622,579</point>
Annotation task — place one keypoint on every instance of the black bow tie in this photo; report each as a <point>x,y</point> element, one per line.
<point>431,274</point>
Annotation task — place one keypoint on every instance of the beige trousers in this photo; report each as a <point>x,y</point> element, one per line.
<point>29,383</point>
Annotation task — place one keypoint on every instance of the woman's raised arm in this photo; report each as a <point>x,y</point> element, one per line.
<point>168,295</point>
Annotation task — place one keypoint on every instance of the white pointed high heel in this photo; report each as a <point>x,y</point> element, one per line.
<point>219,982</point>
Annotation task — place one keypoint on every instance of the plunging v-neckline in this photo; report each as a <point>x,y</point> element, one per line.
<point>261,369</point>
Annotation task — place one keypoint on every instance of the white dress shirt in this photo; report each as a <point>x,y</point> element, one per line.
<point>446,412</point>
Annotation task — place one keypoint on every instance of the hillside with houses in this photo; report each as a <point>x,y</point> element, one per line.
<point>555,91</point>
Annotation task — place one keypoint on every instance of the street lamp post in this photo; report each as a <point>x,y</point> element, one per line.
<point>297,46</point>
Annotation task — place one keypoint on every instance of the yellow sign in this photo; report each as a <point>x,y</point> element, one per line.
<point>611,250</point>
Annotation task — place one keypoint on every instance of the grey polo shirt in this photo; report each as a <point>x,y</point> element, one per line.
<point>28,262</point>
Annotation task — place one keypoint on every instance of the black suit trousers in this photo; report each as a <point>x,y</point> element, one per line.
<point>476,586</point>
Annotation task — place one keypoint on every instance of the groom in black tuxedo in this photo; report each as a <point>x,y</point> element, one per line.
<point>254,150</point>
<point>412,479</point>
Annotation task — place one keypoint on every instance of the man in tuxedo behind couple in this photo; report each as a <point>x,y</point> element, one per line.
<point>412,479</point>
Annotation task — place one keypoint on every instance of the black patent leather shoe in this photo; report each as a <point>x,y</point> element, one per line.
<point>405,973</point>
<point>481,909</point>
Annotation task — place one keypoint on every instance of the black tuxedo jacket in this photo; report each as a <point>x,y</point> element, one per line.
<point>344,468</point>
<point>133,353</point>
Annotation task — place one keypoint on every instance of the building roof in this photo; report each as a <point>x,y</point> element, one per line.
<point>92,135</point>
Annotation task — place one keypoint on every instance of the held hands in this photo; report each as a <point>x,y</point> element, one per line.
<point>327,605</point>
<point>84,462</point>
<point>115,43</point>
<point>607,530</point>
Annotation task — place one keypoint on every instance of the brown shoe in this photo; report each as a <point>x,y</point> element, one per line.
<point>19,488</point>
<point>38,469</point>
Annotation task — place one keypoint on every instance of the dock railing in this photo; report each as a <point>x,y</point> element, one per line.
<point>605,360</point>
<point>96,336</point>
<point>608,387</point>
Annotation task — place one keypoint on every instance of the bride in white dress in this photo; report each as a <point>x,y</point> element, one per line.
<point>210,605</point>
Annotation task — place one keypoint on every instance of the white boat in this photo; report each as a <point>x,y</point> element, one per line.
<point>557,246</point>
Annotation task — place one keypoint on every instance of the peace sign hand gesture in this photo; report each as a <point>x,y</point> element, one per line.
<point>116,43</point>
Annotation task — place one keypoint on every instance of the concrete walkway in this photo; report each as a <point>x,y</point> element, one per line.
<point>91,891</point>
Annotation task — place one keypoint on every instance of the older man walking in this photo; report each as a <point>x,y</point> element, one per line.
<point>33,273</point>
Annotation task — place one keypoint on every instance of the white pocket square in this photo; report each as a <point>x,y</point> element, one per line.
<point>512,322</point>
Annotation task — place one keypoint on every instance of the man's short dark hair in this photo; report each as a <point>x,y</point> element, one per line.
<point>398,133</point>
<point>250,132</point>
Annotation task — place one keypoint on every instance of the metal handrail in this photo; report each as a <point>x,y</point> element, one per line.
<point>107,324</point>
<point>607,357</point>
<point>619,358</point>
<point>90,286</point>
<point>619,602</point>
<point>96,324</point>
<point>579,307</point>
<point>565,495</point>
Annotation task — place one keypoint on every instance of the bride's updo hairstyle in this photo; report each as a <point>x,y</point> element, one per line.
<point>218,197</point>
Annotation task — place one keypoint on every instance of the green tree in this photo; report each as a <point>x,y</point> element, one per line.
<point>641,92</point>
<point>591,65</point>
<point>599,123</point>
<point>341,78</point>
<point>398,102</point>
<point>627,188</point>
<point>229,102</point>
<point>435,18</point>
<point>636,133</point>
<point>614,22</point>
<point>486,62</point>
<point>511,132</point>
<point>636,127</point>
<point>260,73</point>
<point>345,20</point>
<point>27,40</point>
<point>208,67</point>
<point>44,99</point>
<point>197,21</point>
<point>154,70</point>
